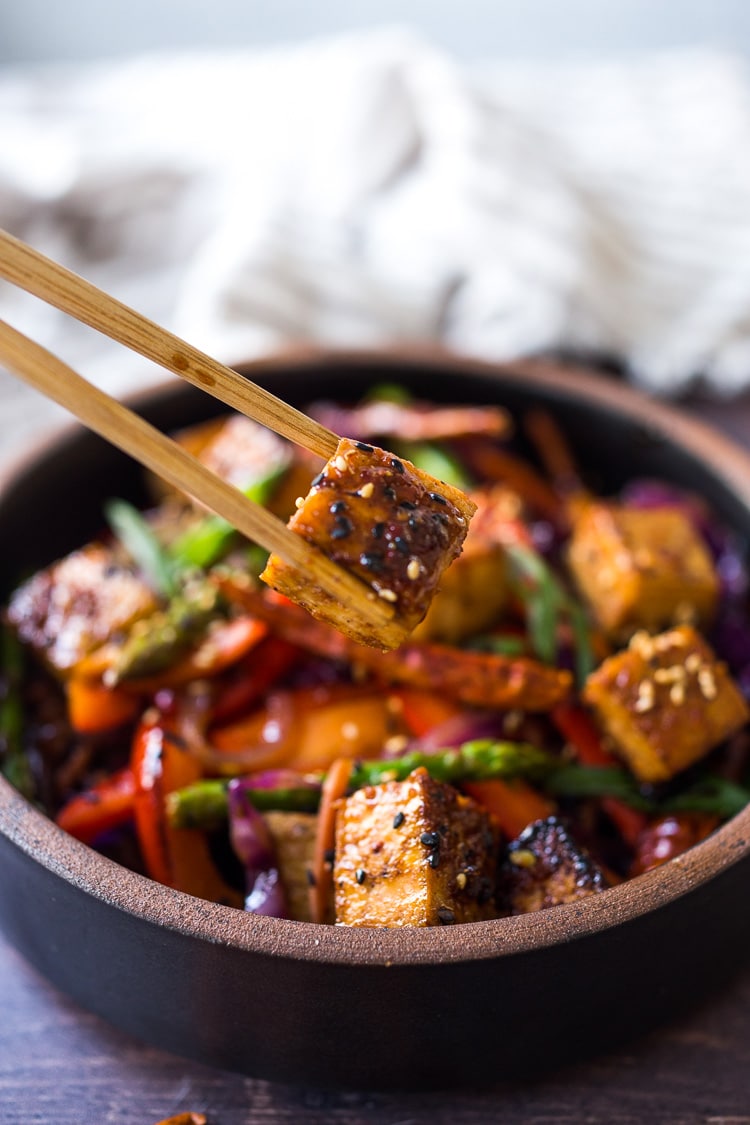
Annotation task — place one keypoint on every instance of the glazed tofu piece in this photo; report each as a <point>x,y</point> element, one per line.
<point>474,589</point>
<point>665,702</point>
<point>293,836</point>
<point>242,452</point>
<point>78,604</point>
<point>388,524</point>
<point>413,853</point>
<point>546,867</point>
<point>642,569</point>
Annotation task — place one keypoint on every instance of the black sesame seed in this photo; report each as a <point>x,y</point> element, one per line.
<point>398,820</point>
<point>371,562</point>
<point>365,448</point>
<point>412,523</point>
<point>336,507</point>
<point>360,875</point>
<point>396,464</point>
<point>446,917</point>
<point>342,529</point>
<point>377,531</point>
<point>311,880</point>
<point>408,504</point>
<point>389,492</point>
<point>328,856</point>
<point>317,480</point>
<point>430,839</point>
<point>434,860</point>
<point>401,545</point>
<point>437,498</point>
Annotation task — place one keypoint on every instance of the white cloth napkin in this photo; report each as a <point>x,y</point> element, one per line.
<point>368,190</point>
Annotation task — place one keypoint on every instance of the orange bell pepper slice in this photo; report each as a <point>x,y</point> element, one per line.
<point>512,804</point>
<point>93,708</point>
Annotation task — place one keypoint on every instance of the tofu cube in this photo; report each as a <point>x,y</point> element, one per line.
<point>665,702</point>
<point>474,589</point>
<point>385,522</point>
<point>74,606</point>
<point>642,569</point>
<point>293,836</point>
<point>546,867</point>
<point>413,853</point>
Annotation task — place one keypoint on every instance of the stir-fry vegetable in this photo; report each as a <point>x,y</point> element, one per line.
<point>569,714</point>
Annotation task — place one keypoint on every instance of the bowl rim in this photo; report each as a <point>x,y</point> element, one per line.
<point>39,838</point>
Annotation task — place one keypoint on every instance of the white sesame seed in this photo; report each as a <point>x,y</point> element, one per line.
<point>340,463</point>
<point>387,595</point>
<point>461,880</point>
<point>645,700</point>
<point>413,570</point>
<point>299,501</point>
<point>693,662</point>
<point>367,490</point>
<point>707,683</point>
<point>522,857</point>
<point>677,694</point>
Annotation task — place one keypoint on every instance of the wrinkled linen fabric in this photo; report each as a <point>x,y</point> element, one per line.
<point>369,190</point>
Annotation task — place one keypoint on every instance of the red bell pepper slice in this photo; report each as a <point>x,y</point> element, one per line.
<point>107,805</point>
<point>577,727</point>
<point>253,676</point>
<point>512,804</point>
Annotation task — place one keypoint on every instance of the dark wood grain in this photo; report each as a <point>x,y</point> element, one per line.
<point>61,1066</point>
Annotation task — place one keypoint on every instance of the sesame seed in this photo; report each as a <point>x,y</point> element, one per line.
<point>377,531</point>
<point>409,505</point>
<point>388,595</point>
<point>707,683</point>
<point>401,545</point>
<point>645,700</point>
<point>413,569</point>
<point>395,744</point>
<point>328,856</point>
<point>522,857</point>
<point>461,880</point>
<point>446,917</point>
<point>365,448</point>
<point>693,662</point>
<point>317,480</point>
<point>677,693</point>
<point>437,498</point>
<point>343,528</point>
<point>340,463</point>
<point>337,507</point>
<point>396,464</point>
<point>360,875</point>
<point>434,860</point>
<point>389,492</point>
<point>642,643</point>
<point>311,880</point>
<point>398,820</point>
<point>299,502</point>
<point>430,839</point>
<point>371,562</point>
<point>367,490</point>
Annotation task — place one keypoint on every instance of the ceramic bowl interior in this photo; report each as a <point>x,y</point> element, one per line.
<point>372,1008</point>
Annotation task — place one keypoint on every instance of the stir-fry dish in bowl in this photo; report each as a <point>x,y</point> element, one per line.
<point>567,711</point>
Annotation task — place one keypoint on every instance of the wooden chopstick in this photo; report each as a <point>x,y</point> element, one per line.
<point>119,425</point>
<point>65,290</point>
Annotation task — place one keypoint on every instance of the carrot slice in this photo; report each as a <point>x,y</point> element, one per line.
<point>512,804</point>
<point>321,886</point>
<point>93,708</point>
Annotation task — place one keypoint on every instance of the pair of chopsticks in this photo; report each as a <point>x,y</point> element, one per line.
<point>25,267</point>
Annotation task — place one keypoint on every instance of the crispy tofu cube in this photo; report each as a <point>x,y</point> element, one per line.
<point>243,452</point>
<point>293,836</point>
<point>474,589</point>
<point>385,522</point>
<point>77,604</point>
<point>546,867</point>
<point>642,569</point>
<point>665,702</point>
<point>413,853</point>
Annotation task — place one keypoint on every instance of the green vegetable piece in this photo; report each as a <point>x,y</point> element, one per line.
<point>142,545</point>
<point>157,641</point>
<point>434,459</point>
<point>208,540</point>
<point>14,764</point>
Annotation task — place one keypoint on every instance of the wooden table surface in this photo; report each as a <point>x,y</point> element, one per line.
<point>61,1066</point>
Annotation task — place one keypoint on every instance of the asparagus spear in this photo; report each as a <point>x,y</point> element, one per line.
<point>204,804</point>
<point>14,764</point>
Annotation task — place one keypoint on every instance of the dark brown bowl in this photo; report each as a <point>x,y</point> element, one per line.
<point>372,1008</point>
